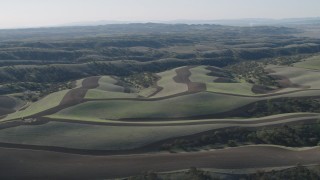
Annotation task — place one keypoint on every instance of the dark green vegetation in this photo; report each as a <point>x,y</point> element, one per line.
<point>293,136</point>
<point>253,72</point>
<point>191,174</point>
<point>38,62</point>
<point>283,105</point>
<point>294,173</point>
<point>141,80</point>
<point>205,90</point>
<point>125,49</point>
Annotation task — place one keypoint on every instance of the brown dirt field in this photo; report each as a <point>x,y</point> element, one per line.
<point>183,75</point>
<point>284,81</point>
<point>91,82</point>
<point>194,87</point>
<point>73,97</point>
<point>220,115</point>
<point>30,164</point>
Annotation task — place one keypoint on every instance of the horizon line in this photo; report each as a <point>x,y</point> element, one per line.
<point>173,21</point>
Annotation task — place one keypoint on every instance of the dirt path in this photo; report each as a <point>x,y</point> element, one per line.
<point>29,164</point>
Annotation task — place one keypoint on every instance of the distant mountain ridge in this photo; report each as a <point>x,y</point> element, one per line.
<point>229,22</point>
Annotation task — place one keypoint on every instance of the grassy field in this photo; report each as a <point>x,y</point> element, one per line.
<point>99,137</point>
<point>300,76</point>
<point>108,89</point>
<point>79,83</point>
<point>99,114</point>
<point>199,74</point>
<point>147,91</point>
<point>107,137</point>
<point>107,83</point>
<point>101,94</point>
<point>170,87</point>
<point>309,63</point>
<point>231,88</point>
<point>50,101</point>
<point>182,106</point>
<point>302,93</point>
<point>287,117</point>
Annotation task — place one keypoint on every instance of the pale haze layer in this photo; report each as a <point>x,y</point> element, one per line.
<point>34,13</point>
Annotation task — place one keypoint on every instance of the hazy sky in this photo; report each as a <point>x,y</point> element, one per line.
<point>27,13</point>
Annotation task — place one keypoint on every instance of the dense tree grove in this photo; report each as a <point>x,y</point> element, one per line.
<point>283,105</point>
<point>294,136</point>
<point>295,173</point>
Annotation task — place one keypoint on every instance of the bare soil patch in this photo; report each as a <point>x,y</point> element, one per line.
<point>284,82</point>
<point>183,75</point>
<point>73,97</point>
